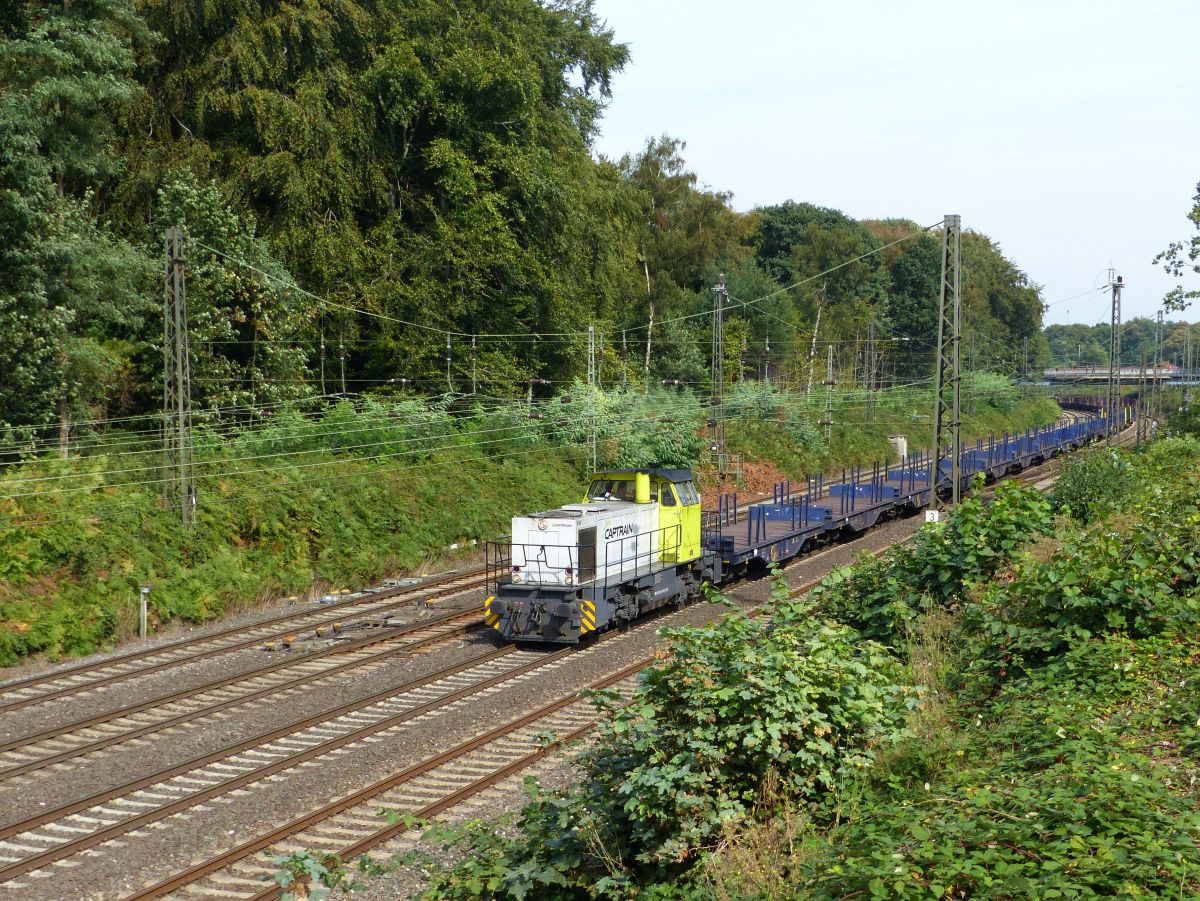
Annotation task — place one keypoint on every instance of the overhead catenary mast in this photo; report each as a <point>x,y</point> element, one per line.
<point>947,381</point>
<point>179,489</point>
<point>1113,402</point>
<point>716,422</point>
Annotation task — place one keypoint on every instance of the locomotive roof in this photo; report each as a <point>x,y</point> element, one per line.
<point>670,475</point>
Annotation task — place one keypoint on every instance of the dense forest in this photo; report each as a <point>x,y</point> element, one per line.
<point>377,190</point>
<point>1087,345</point>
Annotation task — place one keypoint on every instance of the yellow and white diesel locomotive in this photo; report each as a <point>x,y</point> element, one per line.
<point>632,545</point>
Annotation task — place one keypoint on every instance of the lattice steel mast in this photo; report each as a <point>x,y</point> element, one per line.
<point>947,378</point>
<point>593,391</point>
<point>1113,402</point>
<point>179,488</point>
<point>716,422</point>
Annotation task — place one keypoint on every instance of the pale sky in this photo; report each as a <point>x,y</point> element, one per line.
<point>1068,131</point>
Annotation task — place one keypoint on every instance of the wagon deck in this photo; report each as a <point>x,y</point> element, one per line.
<point>801,515</point>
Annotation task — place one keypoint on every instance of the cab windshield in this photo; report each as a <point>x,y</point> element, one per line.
<point>611,489</point>
<point>617,490</point>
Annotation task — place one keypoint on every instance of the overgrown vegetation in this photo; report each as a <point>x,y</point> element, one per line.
<point>1048,746</point>
<point>365,186</point>
<point>345,495</point>
<point>70,575</point>
<point>784,427</point>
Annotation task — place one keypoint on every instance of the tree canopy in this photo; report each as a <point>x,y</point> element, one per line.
<point>1182,257</point>
<point>382,192</point>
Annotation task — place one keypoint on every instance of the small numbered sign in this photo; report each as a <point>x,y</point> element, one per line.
<point>933,515</point>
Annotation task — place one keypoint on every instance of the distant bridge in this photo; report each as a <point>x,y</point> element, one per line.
<point>1163,374</point>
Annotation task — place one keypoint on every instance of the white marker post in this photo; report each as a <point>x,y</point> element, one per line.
<point>142,611</point>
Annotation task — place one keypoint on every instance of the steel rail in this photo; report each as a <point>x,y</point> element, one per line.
<point>48,816</point>
<point>75,846</point>
<point>299,824</point>
<point>181,643</point>
<point>388,602</point>
<point>244,850</point>
<point>475,623</point>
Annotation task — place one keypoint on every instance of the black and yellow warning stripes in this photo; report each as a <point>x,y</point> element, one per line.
<point>587,617</point>
<point>488,617</point>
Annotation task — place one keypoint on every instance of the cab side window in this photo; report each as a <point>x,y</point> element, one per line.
<point>668,496</point>
<point>688,494</point>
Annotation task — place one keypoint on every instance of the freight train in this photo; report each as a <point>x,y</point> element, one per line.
<point>639,540</point>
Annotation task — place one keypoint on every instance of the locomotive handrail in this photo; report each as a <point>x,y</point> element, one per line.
<point>656,549</point>
<point>538,561</point>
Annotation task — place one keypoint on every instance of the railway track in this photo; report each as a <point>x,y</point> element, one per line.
<point>87,677</point>
<point>192,707</point>
<point>110,819</point>
<point>62,833</point>
<point>351,826</point>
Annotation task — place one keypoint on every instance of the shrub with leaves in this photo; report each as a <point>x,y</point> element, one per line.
<point>882,596</point>
<point>1132,576</point>
<point>794,703</point>
<point>740,712</point>
<point>306,875</point>
<point>1085,827</point>
<point>1096,481</point>
<point>1052,795</point>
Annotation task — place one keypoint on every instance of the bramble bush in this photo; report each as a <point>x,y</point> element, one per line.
<point>1071,774</point>
<point>741,712</point>
<point>882,597</point>
<point>1134,573</point>
<point>1095,481</point>
<point>1052,793</point>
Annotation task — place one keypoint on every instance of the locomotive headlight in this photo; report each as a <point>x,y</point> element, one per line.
<point>570,580</point>
<point>517,577</point>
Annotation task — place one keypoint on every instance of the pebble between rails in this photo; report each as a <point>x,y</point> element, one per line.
<point>185,674</point>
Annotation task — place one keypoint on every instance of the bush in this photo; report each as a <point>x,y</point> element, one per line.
<point>741,712</point>
<point>882,596</point>
<point>1132,577</point>
<point>1095,482</point>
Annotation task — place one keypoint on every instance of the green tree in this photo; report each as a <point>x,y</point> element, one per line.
<point>1001,306</point>
<point>1179,258</point>
<point>79,289</point>
<point>1078,345</point>
<point>423,162</point>
<point>912,303</point>
<point>250,327</point>
<point>685,235</point>
<point>818,250</point>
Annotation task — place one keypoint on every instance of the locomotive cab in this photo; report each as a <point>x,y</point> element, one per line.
<point>673,490</point>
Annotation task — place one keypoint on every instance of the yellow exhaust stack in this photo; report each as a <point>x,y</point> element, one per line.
<point>642,487</point>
